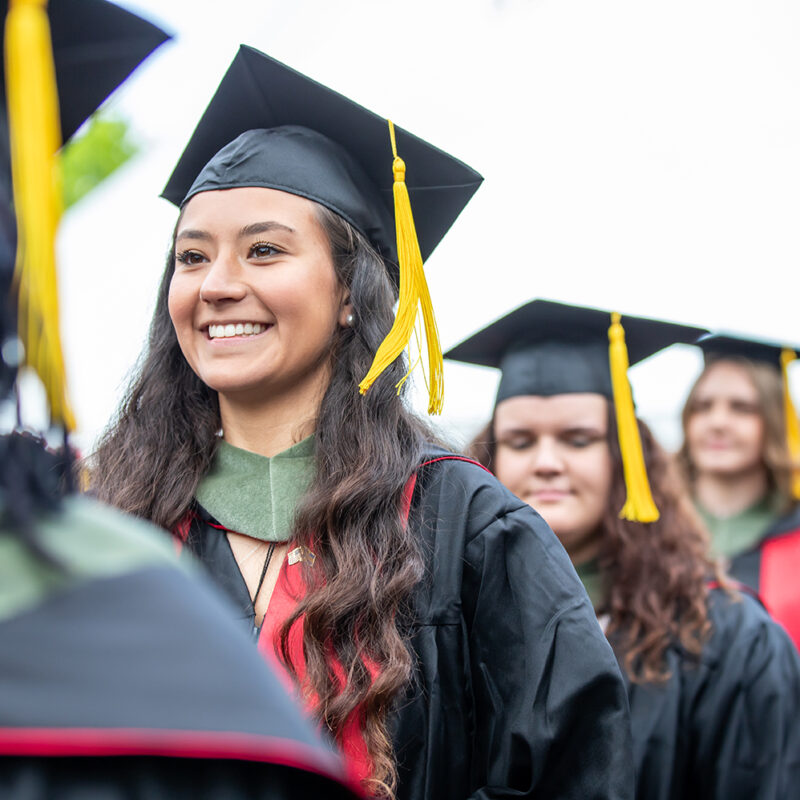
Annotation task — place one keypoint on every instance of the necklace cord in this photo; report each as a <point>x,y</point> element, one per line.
<point>264,569</point>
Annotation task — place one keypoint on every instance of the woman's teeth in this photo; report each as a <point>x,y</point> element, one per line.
<point>240,329</point>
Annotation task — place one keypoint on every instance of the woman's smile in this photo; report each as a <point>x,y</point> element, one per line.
<point>550,495</point>
<point>717,444</point>
<point>235,330</point>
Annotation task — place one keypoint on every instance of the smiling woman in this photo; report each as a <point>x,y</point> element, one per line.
<point>275,274</point>
<point>737,459</point>
<point>267,429</point>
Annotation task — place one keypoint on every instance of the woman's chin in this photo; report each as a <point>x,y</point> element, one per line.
<point>240,391</point>
<point>725,467</point>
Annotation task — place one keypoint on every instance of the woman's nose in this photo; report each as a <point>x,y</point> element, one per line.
<point>718,415</point>
<point>223,281</point>
<point>546,458</point>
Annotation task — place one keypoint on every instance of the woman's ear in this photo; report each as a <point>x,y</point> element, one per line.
<point>346,317</point>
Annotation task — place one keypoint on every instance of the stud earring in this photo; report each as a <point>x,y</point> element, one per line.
<point>349,320</point>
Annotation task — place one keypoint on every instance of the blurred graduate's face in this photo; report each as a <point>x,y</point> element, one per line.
<point>725,427</point>
<point>553,453</point>
<point>254,297</point>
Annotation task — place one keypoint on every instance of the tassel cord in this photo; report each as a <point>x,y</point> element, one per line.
<point>35,136</point>
<point>792,424</point>
<point>639,505</point>
<point>414,295</point>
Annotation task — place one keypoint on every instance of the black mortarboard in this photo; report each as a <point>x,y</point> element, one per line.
<point>547,348</point>
<point>718,345</point>
<point>268,125</point>
<point>96,46</point>
<point>60,61</point>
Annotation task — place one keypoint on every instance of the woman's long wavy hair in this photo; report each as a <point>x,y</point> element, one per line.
<point>656,575</point>
<point>151,458</point>
<point>775,456</point>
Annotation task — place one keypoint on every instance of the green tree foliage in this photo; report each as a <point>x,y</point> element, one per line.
<point>89,158</point>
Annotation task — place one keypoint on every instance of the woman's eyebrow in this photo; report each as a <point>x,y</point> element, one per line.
<point>587,430</point>
<point>247,230</point>
<point>517,431</point>
<point>190,233</point>
<point>264,227</point>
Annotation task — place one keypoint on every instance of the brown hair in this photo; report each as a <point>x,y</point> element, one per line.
<point>151,459</point>
<point>775,454</point>
<point>656,575</point>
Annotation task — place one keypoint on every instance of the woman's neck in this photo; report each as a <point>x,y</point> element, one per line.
<point>270,425</point>
<point>584,551</point>
<point>725,496</point>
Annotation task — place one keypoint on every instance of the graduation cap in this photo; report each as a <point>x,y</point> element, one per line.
<point>270,126</point>
<point>83,51</point>
<point>546,348</point>
<point>718,346</point>
<point>96,46</point>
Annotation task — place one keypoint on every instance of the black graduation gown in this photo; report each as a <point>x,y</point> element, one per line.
<point>771,569</point>
<point>137,686</point>
<point>516,692</point>
<point>726,726</point>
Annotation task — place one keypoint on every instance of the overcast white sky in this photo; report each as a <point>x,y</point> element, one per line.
<point>638,154</point>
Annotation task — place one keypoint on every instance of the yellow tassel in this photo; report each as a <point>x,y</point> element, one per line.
<point>792,425</point>
<point>414,294</point>
<point>639,505</point>
<point>35,134</point>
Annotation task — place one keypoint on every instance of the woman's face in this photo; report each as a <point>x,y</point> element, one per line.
<point>553,453</point>
<point>725,429</point>
<point>254,297</point>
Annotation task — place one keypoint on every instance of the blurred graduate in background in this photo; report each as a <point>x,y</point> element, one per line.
<point>120,673</point>
<point>713,682</point>
<point>740,458</point>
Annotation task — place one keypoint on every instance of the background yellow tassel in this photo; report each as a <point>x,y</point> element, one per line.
<point>792,425</point>
<point>639,505</point>
<point>35,134</point>
<point>414,294</point>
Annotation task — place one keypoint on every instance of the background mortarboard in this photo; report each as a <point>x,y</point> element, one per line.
<point>547,348</point>
<point>718,345</point>
<point>96,46</point>
<point>258,92</point>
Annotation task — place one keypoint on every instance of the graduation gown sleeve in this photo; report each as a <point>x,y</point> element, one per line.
<point>518,694</point>
<point>746,707</point>
<point>725,725</point>
<point>551,714</point>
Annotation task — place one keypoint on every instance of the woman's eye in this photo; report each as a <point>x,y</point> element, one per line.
<point>580,440</point>
<point>518,443</point>
<point>189,257</point>
<point>263,250</point>
<point>744,408</point>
